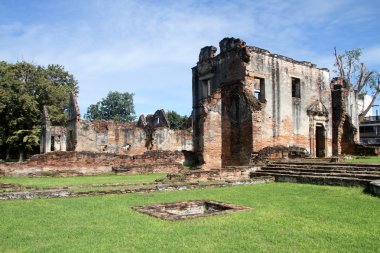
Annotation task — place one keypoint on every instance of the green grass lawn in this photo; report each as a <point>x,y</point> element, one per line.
<point>105,188</point>
<point>287,218</point>
<point>98,179</point>
<point>364,159</point>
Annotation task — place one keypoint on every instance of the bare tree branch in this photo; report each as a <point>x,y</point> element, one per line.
<point>339,63</point>
<point>367,77</point>
<point>348,75</point>
<point>359,84</point>
<point>364,112</point>
<point>348,65</point>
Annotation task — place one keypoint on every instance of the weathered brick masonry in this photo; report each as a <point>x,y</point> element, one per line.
<point>246,99</point>
<point>128,138</point>
<point>345,133</point>
<point>150,133</point>
<point>89,163</point>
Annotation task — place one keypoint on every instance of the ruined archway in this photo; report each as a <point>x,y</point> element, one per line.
<point>318,118</point>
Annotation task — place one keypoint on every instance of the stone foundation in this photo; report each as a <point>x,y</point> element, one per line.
<point>147,168</point>
<point>189,209</point>
<point>229,173</point>
<point>90,163</point>
<point>172,187</point>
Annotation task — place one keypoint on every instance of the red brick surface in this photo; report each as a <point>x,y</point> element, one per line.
<point>90,163</point>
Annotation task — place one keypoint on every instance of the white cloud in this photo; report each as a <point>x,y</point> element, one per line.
<point>148,47</point>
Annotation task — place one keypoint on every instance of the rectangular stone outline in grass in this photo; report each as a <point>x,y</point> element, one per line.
<point>189,209</point>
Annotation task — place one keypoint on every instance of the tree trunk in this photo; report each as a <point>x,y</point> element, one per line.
<point>339,63</point>
<point>21,155</point>
<point>363,113</point>
<point>7,153</point>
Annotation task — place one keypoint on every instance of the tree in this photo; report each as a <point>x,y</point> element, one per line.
<point>24,140</point>
<point>24,90</point>
<point>349,67</point>
<point>116,106</point>
<point>176,120</point>
<point>57,92</point>
<point>19,110</point>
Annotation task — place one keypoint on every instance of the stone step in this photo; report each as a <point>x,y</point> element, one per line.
<point>326,166</point>
<point>310,179</point>
<point>324,174</point>
<point>332,165</point>
<point>322,170</point>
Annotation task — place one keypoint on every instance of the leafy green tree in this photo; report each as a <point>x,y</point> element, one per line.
<point>355,73</point>
<point>24,90</point>
<point>57,92</point>
<point>19,111</point>
<point>24,140</point>
<point>176,120</point>
<point>116,106</point>
<point>4,97</point>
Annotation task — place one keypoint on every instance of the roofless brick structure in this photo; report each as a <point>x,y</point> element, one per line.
<point>246,99</point>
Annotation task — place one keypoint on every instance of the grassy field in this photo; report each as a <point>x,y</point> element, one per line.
<point>365,159</point>
<point>287,218</point>
<point>98,179</point>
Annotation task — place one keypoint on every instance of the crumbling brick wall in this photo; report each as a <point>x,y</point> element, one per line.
<point>128,138</point>
<point>260,106</point>
<point>209,135</point>
<point>45,138</point>
<point>149,133</point>
<point>88,163</point>
<point>73,119</point>
<point>53,138</point>
<point>345,134</point>
<point>172,139</point>
<point>238,110</point>
<point>285,117</point>
<point>110,137</point>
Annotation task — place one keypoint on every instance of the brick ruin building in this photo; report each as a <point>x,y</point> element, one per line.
<point>149,133</point>
<point>246,99</point>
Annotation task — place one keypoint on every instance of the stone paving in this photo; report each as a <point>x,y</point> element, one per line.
<point>189,209</point>
<point>63,193</point>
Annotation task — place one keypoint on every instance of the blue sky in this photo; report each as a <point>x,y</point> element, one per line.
<point>149,47</point>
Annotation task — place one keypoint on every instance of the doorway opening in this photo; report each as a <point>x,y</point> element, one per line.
<point>320,141</point>
<point>52,144</point>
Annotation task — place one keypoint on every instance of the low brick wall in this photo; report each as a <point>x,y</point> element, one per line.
<point>88,163</point>
<point>321,180</point>
<point>229,173</point>
<point>147,168</point>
